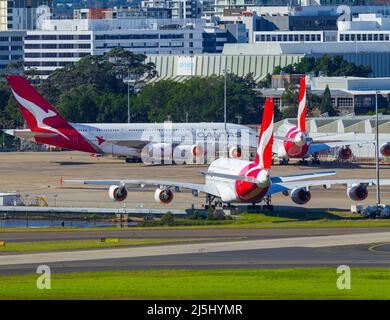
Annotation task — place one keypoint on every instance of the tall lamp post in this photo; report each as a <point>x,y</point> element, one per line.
<point>225,100</point>
<point>225,110</point>
<point>131,82</point>
<point>378,192</point>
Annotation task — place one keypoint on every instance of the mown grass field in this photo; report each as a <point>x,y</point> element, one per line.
<point>90,244</point>
<point>302,283</point>
<point>339,219</point>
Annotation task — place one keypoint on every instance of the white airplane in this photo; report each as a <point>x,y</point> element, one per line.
<point>236,181</point>
<point>183,141</point>
<point>294,142</point>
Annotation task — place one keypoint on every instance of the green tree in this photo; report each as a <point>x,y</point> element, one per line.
<point>290,112</point>
<point>127,64</point>
<point>198,99</point>
<point>266,82</point>
<point>78,105</point>
<point>112,107</point>
<point>290,95</point>
<point>331,66</point>
<point>326,103</point>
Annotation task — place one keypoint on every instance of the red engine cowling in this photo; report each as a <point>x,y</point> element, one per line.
<point>344,153</point>
<point>186,151</point>
<point>117,193</point>
<point>385,149</point>
<point>357,192</point>
<point>300,196</point>
<point>235,152</point>
<point>163,196</point>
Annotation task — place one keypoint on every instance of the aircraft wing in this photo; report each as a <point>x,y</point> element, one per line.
<point>318,146</point>
<point>139,144</point>
<point>327,184</point>
<point>157,183</point>
<point>27,134</point>
<point>294,177</point>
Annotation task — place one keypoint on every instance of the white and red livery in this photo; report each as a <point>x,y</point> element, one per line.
<point>294,142</point>
<point>129,140</point>
<point>236,181</point>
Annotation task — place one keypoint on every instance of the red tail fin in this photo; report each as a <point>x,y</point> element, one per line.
<point>41,116</point>
<point>264,151</point>
<point>302,107</point>
<point>36,109</point>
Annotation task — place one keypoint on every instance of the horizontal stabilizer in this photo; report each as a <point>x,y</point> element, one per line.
<point>299,177</point>
<point>27,134</point>
<point>229,176</point>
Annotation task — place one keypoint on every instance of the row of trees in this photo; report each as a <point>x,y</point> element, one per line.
<point>198,99</point>
<point>94,90</point>
<point>331,66</point>
<point>322,103</point>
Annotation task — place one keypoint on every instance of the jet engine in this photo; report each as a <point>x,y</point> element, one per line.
<point>385,149</point>
<point>344,153</point>
<point>300,196</point>
<point>235,152</point>
<point>186,151</point>
<point>357,192</point>
<point>163,196</point>
<point>158,150</point>
<point>117,193</point>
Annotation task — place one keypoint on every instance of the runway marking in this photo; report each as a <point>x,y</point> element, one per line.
<point>178,249</point>
<point>248,265</point>
<point>374,248</point>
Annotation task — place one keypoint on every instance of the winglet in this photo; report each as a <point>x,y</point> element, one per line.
<point>264,151</point>
<point>302,107</point>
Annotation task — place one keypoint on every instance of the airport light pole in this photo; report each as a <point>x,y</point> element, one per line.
<point>131,82</point>
<point>128,96</point>
<point>378,192</point>
<point>225,111</point>
<point>225,101</point>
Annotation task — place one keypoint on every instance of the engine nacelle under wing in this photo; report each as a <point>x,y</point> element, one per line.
<point>188,151</point>
<point>235,152</point>
<point>344,153</point>
<point>385,149</point>
<point>357,192</point>
<point>164,196</point>
<point>300,196</point>
<point>117,193</point>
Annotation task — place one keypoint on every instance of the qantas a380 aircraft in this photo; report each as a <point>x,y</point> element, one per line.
<point>184,141</point>
<point>236,181</point>
<point>293,142</point>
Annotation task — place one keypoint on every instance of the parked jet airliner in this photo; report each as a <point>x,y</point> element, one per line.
<point>294,142</point>
<point>131,141</point>
<point>237,181</point>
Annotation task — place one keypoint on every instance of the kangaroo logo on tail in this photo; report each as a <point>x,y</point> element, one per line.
<point>39,114</point>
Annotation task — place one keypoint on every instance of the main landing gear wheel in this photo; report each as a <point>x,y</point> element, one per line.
<point>316,161</point>
<point>268,204</point>
<point>133,160</point>
<point>284,162</point>
<point>303,162</point>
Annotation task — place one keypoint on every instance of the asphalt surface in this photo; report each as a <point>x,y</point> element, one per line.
<point>36,174</point>
<point>255,233</point>
<point>359,249</point>
<point>39,173</point>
